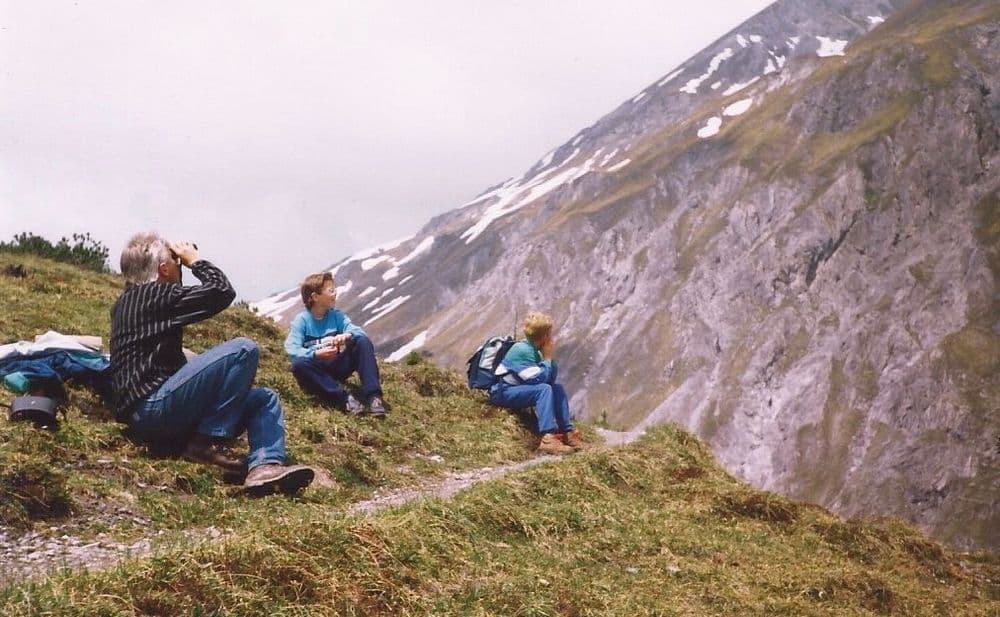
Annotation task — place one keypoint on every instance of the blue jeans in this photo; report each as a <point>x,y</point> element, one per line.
<point>212,395</point>
<point>323,378</point>
<point>550,402</point>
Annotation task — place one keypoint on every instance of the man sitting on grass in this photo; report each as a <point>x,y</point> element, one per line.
<point>326,348</point>
<point>207,401</point>
<point>528,378</point>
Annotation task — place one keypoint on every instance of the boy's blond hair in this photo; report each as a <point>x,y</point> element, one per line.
<point>537,326</point>
<point>313,284</point>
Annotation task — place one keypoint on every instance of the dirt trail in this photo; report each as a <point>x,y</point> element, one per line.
<point>454,483</point>
<point>38,553</point>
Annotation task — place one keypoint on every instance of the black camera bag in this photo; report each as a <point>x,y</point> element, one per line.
<point>39,410</point>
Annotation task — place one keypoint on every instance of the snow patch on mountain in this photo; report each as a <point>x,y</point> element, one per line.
<point>830,47</point>
<point>382,311</point>
<point>666,80</point>
<point>423,247</point>
<point>711,127</point>
<point>370,252</point>
<point>738,107</point>
<point>733,89</point>
<point>378,299</point>
<point>274,307</point>
<point>619,165</point>
<point>691,87</point>
<point>417,342</point>
<point>517,196</point>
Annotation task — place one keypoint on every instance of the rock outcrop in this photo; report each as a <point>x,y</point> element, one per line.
<point>790,244</point>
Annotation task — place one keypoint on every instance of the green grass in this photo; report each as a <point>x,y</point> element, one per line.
<point>827,148</point>
<point>826,442</point>
<point>971,356</point>
<point>767,139</point>
<point>46,476</point>
<point>656,528</point>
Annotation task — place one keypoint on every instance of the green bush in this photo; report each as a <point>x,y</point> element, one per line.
<point>84,251</point>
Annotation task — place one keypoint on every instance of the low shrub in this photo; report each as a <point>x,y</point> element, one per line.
<point>81,250</point>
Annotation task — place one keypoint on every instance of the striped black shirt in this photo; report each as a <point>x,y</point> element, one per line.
<point>147,328</point>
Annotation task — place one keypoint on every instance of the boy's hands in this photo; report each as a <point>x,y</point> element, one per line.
<point>334,347</point>
<point>327,353</point>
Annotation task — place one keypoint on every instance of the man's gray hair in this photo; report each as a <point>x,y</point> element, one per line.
<point>142,256</point>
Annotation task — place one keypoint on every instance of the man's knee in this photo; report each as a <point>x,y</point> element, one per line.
<point>265,400</point>
<point>245,348</point>
<point>245,344</point>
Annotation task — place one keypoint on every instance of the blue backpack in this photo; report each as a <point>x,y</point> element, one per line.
<point>483,364</point>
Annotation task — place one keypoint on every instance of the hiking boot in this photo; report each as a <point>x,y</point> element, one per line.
<point>376,407</point>
<point>353,406</point>
<point>552,443</point>
<point>575,440</point>
<point>263,479</point>
<point>203,449</point>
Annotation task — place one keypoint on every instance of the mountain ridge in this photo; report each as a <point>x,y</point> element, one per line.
<point>769,279</point>
<point>94,523</point>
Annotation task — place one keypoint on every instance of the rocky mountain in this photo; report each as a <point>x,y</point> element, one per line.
<point>789,244</point>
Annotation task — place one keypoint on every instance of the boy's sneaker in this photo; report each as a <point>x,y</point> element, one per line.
<point>575,440</point>
<point>552,443</point>
<point>376,407</point>
<point>289,479</point>
<point>353,406</point>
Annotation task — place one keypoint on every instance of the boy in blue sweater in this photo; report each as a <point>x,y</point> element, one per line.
<point>528,378</point>
<point>326,348</point>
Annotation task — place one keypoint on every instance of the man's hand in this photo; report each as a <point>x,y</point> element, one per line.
<point>187,252</point>
<point>340,341</point>
<point>327,353</point>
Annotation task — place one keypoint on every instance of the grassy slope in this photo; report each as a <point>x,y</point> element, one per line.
<point>89,466</point>
<point>656,528</point>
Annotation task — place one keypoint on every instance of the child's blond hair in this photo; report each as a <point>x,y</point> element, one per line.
<point>537,326</point>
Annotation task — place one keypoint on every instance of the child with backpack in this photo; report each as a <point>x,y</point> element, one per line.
<point>527,377</point>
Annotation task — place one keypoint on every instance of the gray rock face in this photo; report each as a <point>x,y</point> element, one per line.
<point>803,270</point>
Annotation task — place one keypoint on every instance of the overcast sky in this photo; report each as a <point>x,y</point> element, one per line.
<point>283,136</point>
